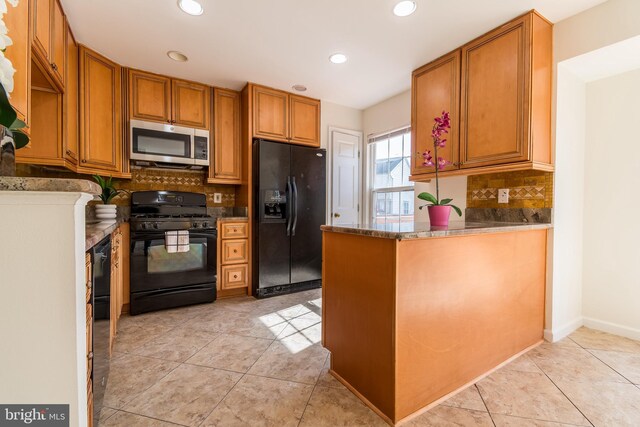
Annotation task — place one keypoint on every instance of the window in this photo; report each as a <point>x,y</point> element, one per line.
<point>392,196</point>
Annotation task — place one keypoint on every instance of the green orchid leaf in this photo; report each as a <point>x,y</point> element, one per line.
<point>7,113</point>
<point>17,124</point>
<point>19,139</point>
<point>428,197</point>
<point>457,209</point>
<point>445,201</point>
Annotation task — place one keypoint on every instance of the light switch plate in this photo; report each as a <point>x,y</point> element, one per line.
<point>217,197</point>
<point>503,195</point>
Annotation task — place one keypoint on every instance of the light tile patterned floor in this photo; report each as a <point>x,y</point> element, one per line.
<point>247,362</point>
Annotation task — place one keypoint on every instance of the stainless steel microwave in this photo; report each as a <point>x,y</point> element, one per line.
<point>166,143</point>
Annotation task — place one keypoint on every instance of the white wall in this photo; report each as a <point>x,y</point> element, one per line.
<point>611,273</point>
<point>564,295</point>
<point>334,115</point>
<point>589,31</point>
<point>395,113</point>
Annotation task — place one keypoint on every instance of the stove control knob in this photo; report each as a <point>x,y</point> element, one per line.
<point>155,225</point>
<point>143,225</point>
<point>196,225</point>
<point>205,225</point>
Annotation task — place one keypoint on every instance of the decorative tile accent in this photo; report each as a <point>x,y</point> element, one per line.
<point>145,179</point>
<point>527,190</point>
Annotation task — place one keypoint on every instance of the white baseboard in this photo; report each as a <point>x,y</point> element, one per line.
<point>559,333</point>
<point>612,328</point>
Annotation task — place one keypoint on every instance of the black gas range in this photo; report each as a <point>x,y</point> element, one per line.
<point>173,250</point>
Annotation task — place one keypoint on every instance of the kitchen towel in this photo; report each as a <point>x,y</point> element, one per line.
<point>176,241</point>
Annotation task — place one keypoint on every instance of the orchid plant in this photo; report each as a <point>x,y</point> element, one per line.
<point>441,126</point>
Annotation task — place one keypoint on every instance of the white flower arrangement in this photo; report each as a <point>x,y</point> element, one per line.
<point>6,67</point>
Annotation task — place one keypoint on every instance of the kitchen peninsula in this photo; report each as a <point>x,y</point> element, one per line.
<point>412,314</point>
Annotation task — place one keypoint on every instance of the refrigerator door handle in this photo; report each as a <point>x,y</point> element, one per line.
<point>289,206</point>
<point>295,206</point>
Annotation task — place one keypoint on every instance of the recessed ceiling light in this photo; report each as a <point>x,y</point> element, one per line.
<point>299,88</point>
<point>338,58</point>
<point>192,7</point>
<point>177,56</point>
<point>404,8</point>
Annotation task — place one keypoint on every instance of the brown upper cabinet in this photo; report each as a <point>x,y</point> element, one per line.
<point>19,53</point>
<point>435,89</point>
<point>505,101</point>
<point>281,116</point>
<point>226,148</point>
<point>70,101</point>
<point>157,98</point>
<point>49,38</point>
<point>101,148</point>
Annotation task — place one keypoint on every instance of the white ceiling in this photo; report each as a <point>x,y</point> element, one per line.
<point>280,43</point>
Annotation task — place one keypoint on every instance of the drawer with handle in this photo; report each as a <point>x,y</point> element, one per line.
<point>234,251</point>
<point>233,276</point>
<point>234,230</point>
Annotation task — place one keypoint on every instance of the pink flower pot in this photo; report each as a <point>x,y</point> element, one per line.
<point>439,215</point>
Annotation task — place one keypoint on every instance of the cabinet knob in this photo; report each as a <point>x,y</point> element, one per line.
<point>235,251</point>
<point>90,355</point>
<point>168,121</point>
<point>336,215</point>
<point>84,161</point>
<point>235,276</point>
<point>235,230</point>
<point>68,152</point>
<point>54,66</point>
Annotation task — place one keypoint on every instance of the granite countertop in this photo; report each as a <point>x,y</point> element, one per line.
<point>97,230</point>
<point>15,183</point>
<point>421,230</point>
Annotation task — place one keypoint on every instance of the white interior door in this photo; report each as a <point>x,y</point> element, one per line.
<point>345,161</point>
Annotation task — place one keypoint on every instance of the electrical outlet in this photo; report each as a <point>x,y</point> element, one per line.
<point>503,195</point>
<point>217,197</point>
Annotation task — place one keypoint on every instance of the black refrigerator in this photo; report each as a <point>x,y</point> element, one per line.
<point>289,200</point>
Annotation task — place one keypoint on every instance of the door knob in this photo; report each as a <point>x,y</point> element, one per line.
<point>336,215</point>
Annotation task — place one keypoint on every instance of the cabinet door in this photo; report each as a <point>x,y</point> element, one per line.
<point>42,29</point>
<point>58,43</point>
<point>45,146</point>
<point>19,53</point>
<point>495,97</point>
<point>270,118</point>
<point>304,120</point>
<point>149,97</point>
<point>434,89</point>
<point>100,113</point>
<point>70,102</point>
<point>191,104</point>
<point>226,140</point>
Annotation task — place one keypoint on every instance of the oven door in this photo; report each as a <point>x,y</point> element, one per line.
<point>156,142</point>
<point>153,268</point>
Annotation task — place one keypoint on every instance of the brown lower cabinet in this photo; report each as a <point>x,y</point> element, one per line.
<point>233,258</point>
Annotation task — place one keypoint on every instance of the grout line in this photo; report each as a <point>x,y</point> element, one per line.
<point>484,403</point>
<point>610,367</point>
<point>563,393</point>
<point>152,418</point>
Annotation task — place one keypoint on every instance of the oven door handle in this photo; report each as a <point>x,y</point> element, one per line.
<point>157,235</point>
<point>289,206</point>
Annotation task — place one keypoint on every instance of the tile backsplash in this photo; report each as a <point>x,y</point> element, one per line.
<point>530,197</point>
<point>527,189</point>
<point>144,179</point>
